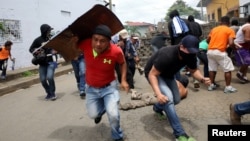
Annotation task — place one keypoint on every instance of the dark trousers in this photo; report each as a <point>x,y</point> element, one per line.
<point>130,79</point>
<point>3,66</point>
<point>202,55</point>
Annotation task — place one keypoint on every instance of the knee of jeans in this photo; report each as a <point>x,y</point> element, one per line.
<point>92,115</point>
<point>113,116</point>
<point>43,80</point>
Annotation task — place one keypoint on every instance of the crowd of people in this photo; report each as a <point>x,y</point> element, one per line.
<point>103,54</point>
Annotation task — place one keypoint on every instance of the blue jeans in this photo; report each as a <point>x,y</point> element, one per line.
<point>46,74</point>
<point>169,88</point>
<point>242,108</point>
<point>106,99</point>
<point>79,70</point>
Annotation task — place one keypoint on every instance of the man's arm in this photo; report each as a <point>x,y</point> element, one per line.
<point>197,75</point>
<point>152,76</point>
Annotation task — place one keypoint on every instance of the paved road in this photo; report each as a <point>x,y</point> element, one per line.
<point>26,116</point>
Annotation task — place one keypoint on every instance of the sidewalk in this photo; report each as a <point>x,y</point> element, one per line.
<point>16,79</point>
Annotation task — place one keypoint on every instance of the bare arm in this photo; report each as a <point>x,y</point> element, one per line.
<point>152,76</point>
<point>197,75</point>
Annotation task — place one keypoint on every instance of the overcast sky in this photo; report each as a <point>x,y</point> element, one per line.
<point>150,11</point>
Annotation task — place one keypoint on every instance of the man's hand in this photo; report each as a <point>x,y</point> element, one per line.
<point>162,99</point>
<point>137,59</point>
<point>206,81</point>
<point>125,86</point>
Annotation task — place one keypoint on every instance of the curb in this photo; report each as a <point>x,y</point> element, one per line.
<point>25,82</point>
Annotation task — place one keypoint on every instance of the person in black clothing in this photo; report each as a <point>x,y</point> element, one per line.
<point>194,27</point>
<point>195,30</point>
<point>159,41</point>
<point>160,72</point>
<point>48,65</point>
<point>174,37</point>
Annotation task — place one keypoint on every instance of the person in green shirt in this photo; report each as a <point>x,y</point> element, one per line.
<point>202,55</point>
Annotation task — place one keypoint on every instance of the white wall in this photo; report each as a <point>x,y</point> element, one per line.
<point>33,13</point>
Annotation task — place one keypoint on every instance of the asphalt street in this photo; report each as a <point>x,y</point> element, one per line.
<point>26,116</point>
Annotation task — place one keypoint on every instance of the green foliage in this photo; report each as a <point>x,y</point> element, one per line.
<point>28,73</point>
<point>132,30</point>
<point>183,9</point>
<point>1,26</point>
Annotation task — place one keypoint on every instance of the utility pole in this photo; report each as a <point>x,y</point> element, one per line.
<point>201,10</point>
<point>110,5</point>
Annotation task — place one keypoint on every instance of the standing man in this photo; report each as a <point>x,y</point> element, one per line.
<point>131,56</point>
<point>202,55</point>
<point>160,71</point>
<point>177,27</point>
<point>5,54</point>
<point>78,65</point>
<point>195,30</point>
<point>194,27</point>
<point>242,54</point>
<point>219,39</point>
<point>129,51</point>
<point>48,65</point>
<point>102,94</point>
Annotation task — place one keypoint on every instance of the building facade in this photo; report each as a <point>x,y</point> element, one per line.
<point>21,20</point>
<point>218,8</point>
<point>244,8</point>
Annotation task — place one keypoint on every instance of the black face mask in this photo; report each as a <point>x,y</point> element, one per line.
<point>185,55</point>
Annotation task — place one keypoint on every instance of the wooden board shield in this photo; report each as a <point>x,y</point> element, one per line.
<point>65,42</point>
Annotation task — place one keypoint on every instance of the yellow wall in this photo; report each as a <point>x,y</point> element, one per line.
<point>225,6</point>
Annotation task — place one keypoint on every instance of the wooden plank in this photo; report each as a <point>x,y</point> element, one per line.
<point>65,42</point>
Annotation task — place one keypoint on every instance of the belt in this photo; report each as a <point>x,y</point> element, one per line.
<point>101,86</point>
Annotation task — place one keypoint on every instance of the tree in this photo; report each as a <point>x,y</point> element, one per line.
<point>183,9</point>
<point>1,26</point>
<point>132,30</point>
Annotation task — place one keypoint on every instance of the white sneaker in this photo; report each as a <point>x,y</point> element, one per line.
<point>229,89</point>
<point>211,87</point>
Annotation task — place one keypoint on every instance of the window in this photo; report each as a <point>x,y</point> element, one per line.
<point>10,30</point>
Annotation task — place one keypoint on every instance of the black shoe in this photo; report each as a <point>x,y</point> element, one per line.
<point>52,97</point>
<point>47,97</point>
<point>159,114</point>
<point>82,95</point>
<point>121,139</point>
<point>98,119</point>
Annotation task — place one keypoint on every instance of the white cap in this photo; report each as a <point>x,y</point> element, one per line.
<point>124,34</point>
